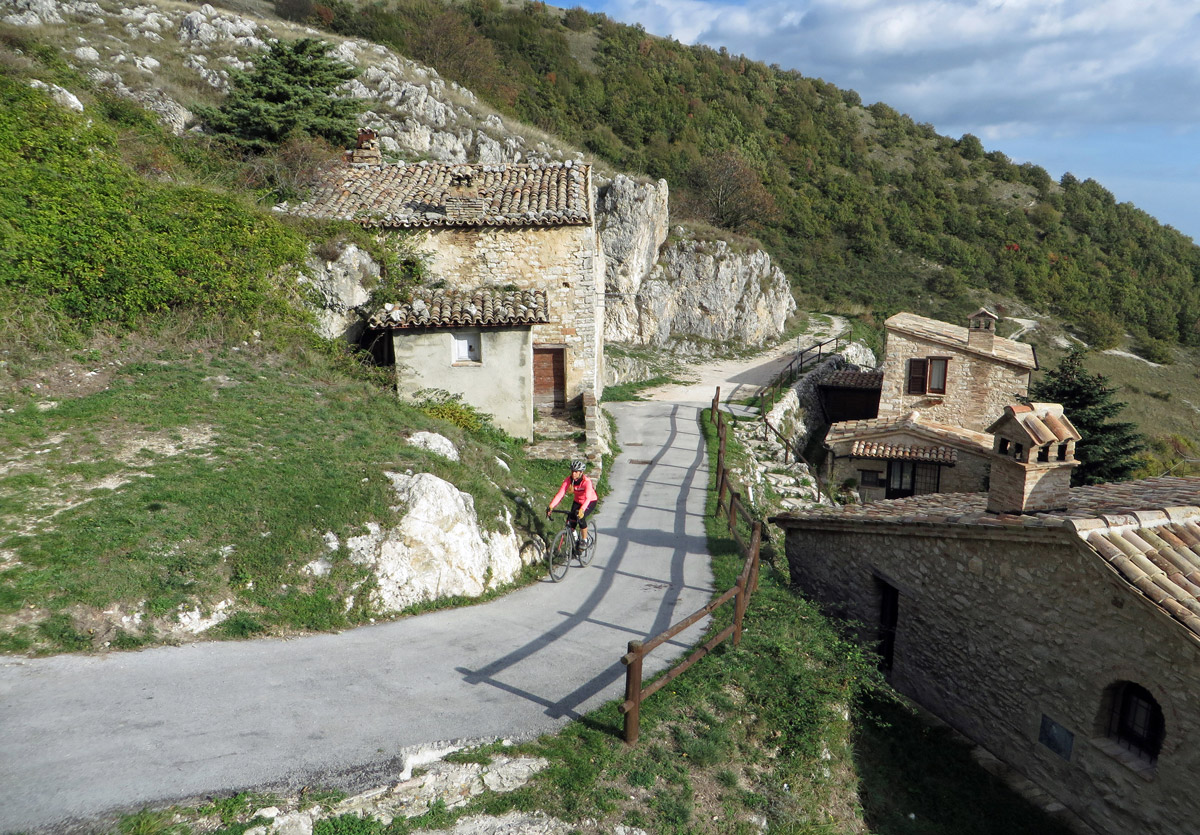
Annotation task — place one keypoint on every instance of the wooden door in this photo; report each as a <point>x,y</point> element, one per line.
<point>549,378</point>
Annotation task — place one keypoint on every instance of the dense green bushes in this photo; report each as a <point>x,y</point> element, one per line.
<point>84,233</point>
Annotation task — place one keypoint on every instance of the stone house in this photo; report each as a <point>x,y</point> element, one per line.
<point>490,230</point>
<point>940,388</point>
<point>1058,628</point>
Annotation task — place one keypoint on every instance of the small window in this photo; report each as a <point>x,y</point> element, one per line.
<point>870,478</point>
<point>1019,452</point>
<point>1044,453</point>
<point>467,348</point>
<point>1005,445</point>
<point>917,372</point>
<point>1135,721</point>
<point>937,375</point>
<point>1062,452</point>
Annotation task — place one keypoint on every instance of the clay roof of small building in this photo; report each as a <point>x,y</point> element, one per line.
<point>904,452</point>
<point>854,380</point>
<point>433,194</point>
<point>1042,423</point>
<point>880,429</point>
<point>481,308</point>
<point>933,330</point>
<point>1147,531</point>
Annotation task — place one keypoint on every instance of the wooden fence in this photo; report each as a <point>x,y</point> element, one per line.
<point>728,506</point>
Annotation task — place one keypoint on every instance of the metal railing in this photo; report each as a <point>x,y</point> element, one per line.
<point>728,504</point>
<point>770,393</point>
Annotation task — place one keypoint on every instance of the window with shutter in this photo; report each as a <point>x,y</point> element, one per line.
<point>916,376</point>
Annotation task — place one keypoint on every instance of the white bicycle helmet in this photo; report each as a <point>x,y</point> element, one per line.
<point>578,465</point>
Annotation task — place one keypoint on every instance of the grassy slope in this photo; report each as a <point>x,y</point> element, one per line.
<point>201,475</point>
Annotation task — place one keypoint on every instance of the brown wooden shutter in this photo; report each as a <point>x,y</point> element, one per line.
<point>917,369</point>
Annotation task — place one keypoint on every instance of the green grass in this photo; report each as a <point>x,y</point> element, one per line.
<point>204,475</point>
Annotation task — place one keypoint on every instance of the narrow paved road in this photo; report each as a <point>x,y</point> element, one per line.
<point>82,736</point>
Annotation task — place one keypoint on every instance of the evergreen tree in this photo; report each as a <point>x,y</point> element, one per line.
<point>290,91</point>
<point>1109,449</point>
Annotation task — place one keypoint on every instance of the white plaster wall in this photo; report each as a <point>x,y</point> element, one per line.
<point>501,384</point>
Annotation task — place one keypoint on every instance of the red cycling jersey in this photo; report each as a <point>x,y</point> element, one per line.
<point>584,493</point>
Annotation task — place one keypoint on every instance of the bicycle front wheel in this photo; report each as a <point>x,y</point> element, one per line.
<point>558,556</point>
<point>588,550</point>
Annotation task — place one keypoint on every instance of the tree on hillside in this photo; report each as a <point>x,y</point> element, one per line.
<point>730,193</point>
<point>1109,449</point>
<point>290,91</point>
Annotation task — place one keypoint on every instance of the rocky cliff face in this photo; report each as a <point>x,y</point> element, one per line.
<point>706,290</point>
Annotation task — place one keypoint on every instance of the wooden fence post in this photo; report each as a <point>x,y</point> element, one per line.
<point>721,485</point>
<point>755,548</point>
<point>739,606</point>
<point>715,406</point>
<point>733,506</point>
<point>633,691</point>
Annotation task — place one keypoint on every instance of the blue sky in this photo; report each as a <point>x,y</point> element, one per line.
<point>1107,89</point>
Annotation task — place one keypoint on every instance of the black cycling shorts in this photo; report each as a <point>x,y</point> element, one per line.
<point>574,514</point>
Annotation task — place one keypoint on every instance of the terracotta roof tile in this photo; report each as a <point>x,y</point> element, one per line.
<point>1006,350</point>
<point>482,308</point>
<point>902,452</point>
<point>879,429</point>
<point>429,194</point>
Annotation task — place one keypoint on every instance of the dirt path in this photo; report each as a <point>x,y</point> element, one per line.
<point>741,377</point>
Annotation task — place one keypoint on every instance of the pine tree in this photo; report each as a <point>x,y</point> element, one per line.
<point>1109,450</point>
<point>291,90</point>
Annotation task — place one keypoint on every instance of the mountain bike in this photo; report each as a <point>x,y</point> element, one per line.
<point>567,546</point>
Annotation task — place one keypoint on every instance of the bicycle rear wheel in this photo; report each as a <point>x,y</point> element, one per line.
<point>558,555</point>
<point>588,551</point>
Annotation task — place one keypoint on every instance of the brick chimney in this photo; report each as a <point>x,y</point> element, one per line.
<point>1033,453</point>
<point>981,329</point>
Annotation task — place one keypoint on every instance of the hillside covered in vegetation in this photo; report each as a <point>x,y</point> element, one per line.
<point>857,203</point>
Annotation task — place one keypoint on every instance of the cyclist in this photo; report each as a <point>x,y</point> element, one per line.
<point>584,499</point>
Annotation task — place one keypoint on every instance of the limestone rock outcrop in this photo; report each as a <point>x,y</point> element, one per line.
<point>707,290</point>
<point>437,549</point>
<point>633,219</point>
<point>338,288</point>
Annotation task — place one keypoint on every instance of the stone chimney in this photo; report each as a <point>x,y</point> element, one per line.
<point>1033,453</point>
<point>462,198</point>
<point>367,152</point>
<point>981,329</point>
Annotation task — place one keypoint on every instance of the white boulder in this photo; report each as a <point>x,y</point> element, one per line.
<point>434,442</point>
<point>437,549</point>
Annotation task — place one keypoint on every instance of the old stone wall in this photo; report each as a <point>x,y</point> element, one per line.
<point>997,630</point>
<point>565,261</point>
<point>977,388</point>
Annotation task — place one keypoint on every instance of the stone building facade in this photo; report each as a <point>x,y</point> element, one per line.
<point>940,387</point>
<point>1067,643</point>
<point>497,229</point>
<point>951,374</point>
<point>909,455</point>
